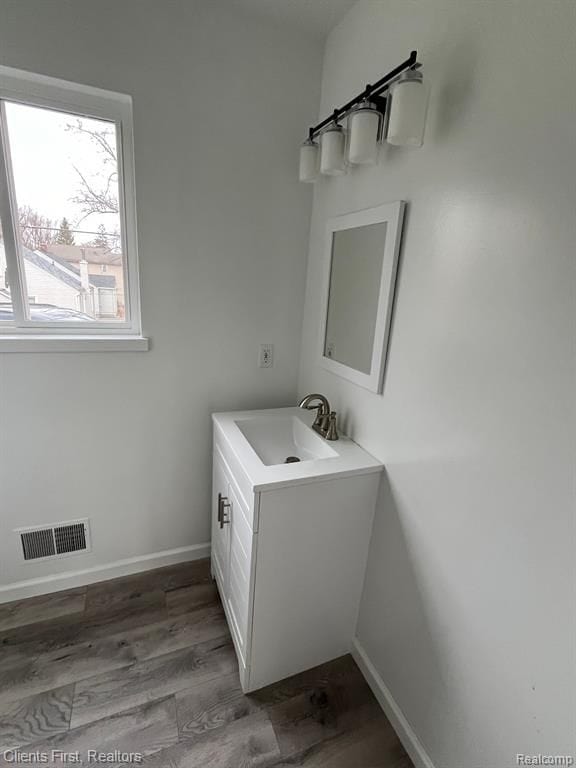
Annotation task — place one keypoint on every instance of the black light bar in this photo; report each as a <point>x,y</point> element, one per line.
<point>371,92</point>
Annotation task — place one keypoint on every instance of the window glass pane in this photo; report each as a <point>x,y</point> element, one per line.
<point>5,300</point>
<point>65,171</point>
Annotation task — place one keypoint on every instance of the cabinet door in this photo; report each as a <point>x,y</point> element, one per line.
<point>238,594</point>
<point>220,525</point>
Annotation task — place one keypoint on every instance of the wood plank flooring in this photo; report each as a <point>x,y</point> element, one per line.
<point>145,664</point>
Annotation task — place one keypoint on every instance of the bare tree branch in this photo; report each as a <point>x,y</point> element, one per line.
<point>93,200</point>
<point>98,195</point>
<point>101,138</point>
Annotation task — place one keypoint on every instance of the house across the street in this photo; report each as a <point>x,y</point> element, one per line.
<point>52,279</point>
<point>100,261</point>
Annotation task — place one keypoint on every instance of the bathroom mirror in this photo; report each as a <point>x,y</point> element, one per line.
<point>359,276</point>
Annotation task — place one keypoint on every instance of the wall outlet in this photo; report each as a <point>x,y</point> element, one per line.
<point>266,356</point>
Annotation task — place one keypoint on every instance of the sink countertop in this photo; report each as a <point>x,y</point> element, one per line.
<point>350,459</point>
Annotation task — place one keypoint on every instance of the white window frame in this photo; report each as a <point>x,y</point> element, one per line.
<point>23,334</point>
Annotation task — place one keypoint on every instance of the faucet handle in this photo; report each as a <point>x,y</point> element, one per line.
<point>323,423</point>
<point>332,431</point>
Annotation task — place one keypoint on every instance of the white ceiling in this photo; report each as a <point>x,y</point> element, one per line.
<point>313,17</point>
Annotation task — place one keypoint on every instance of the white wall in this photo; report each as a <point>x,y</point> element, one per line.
<point>468,606</point>
<point>220,104</point>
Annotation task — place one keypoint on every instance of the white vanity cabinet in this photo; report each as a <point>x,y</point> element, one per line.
<point>288,555</point>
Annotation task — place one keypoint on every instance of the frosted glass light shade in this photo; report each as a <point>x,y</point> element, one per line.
<point>364,124</point>
<point>407,116</point>
<point>332,160</point>
<point>309,161</point>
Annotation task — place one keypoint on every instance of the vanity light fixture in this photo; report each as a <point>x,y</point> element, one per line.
<point>332,155</point>
<point>364,126</point>
<point>401,95</point>
<point>309,161</point>
<point>408,106</point>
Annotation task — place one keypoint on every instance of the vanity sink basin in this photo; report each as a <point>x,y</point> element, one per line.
<point>284,440</point>
<point>259,443</point>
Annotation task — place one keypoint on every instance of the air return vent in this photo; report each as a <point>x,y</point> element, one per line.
<point>55,540</point>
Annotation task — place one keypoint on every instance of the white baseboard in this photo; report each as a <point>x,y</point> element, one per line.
<point>405,732</point>
<point>70,579</point>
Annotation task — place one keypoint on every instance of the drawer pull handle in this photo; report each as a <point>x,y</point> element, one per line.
<point>223,503</point>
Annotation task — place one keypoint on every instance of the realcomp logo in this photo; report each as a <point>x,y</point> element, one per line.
<point>562,760</point>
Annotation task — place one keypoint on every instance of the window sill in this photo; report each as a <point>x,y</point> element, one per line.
<point>62,343</point>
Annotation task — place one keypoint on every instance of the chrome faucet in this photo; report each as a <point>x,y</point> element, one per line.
<point>325,421</point>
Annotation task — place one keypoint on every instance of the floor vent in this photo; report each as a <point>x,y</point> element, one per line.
<point>54,540</point>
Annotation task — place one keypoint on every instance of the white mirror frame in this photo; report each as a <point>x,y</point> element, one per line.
<point>393,215</point>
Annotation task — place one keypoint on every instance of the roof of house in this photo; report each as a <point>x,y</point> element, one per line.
<point>92,254</point>
<point>53,268</point>
<point>102,281</point>
<point>64,271</point>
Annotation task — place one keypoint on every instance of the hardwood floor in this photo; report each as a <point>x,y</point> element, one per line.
<point>145,664</point>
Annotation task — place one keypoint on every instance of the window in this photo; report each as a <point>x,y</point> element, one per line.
<point>68,261</point>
